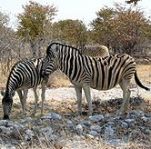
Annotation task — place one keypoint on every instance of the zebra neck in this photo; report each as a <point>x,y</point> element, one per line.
<point>10,90</point>
<point>69,62</point>
<point>9,93</point>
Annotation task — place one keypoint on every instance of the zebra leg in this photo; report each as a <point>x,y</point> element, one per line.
<point>43,96</point>
<point>36,100</point>
<point>78,90</point>
<point>88,98</point>
<point>25,91</point>
<point>22,100</point>
<point>126,96</point>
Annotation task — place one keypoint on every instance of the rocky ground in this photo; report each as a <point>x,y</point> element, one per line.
<point>61,128</point>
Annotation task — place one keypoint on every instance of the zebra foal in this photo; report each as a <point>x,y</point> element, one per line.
<point>24,74</point>
<point>98,73</point>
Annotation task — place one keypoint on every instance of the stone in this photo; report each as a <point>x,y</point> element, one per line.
<point>96,118</point>
<point>85,123</point>
<point>124,124</point>
<point>52,116</point>
<point>4,122</point>
<point>70,124</point>
<point>146,120</point>
<point>29,134</point>
<point>11,129</point>
<point>93,133</point>
<point>96,128</point>
<point>130,122</point>
<point>108,132</point>
<point>5,130</point>
<point>79,129</point>
<point>7,146</point>
<point>135,113</point>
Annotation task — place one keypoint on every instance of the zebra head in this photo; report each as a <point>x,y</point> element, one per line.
<point>7,102</point>
<point>50,62</point>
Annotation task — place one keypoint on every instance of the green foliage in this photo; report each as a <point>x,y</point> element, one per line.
<point>102,26</point>
<point>34,19</point>
<point>72,31</point>
<point>120,28</point>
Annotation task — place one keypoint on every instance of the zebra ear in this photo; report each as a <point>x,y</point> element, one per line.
<point>2,92</point>
<point>13,94</point>
<point>57,48</point>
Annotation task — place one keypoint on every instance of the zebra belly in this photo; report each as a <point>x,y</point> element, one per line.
<point>104,83</point>
<point>28,84</point>
<point>99,87</point>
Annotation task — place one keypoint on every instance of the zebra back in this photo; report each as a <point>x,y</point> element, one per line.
<point>24,74</point>
<point>99,73</point>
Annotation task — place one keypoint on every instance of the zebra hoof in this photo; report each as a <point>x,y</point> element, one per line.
<point>6,117</point>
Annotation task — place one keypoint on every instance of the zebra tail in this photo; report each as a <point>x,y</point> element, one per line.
<point>139,82</point>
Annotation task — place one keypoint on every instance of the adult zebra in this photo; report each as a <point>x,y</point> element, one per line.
<point>98,73</point>
<point>24,74</point>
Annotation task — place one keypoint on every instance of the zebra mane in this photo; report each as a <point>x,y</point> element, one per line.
<point>60,44</point>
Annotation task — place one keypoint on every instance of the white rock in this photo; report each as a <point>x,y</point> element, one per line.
<point>93,133</point>
<point>96,128</point>
<point>52,116</point>
<point>108,132</point>
<point>29,135</point>
<point>5,130</point>
<point>70,124</point>
<point>7,146</point>
<point>79,128</point>
<point>96,118</point>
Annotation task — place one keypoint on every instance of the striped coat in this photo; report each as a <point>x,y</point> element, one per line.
<point>24,74</point>
<point>98,73</point>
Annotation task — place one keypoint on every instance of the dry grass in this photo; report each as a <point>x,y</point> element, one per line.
<point>58,79</point>
<point>67,109</point>
<point>144,72</point>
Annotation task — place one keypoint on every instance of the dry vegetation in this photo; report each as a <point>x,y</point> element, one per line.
<point>60,80</point>
<point>68,110</point>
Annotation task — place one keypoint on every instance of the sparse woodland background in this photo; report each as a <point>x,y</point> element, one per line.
<point>122,29</point>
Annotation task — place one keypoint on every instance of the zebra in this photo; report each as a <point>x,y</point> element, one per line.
<point>24,74</point>
<point>97,73</point>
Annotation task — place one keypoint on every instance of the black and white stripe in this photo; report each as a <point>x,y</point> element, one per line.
<point>98,73</point>
<point>24,74</point>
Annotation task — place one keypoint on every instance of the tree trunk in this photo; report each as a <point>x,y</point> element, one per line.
<point>33,49</point>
